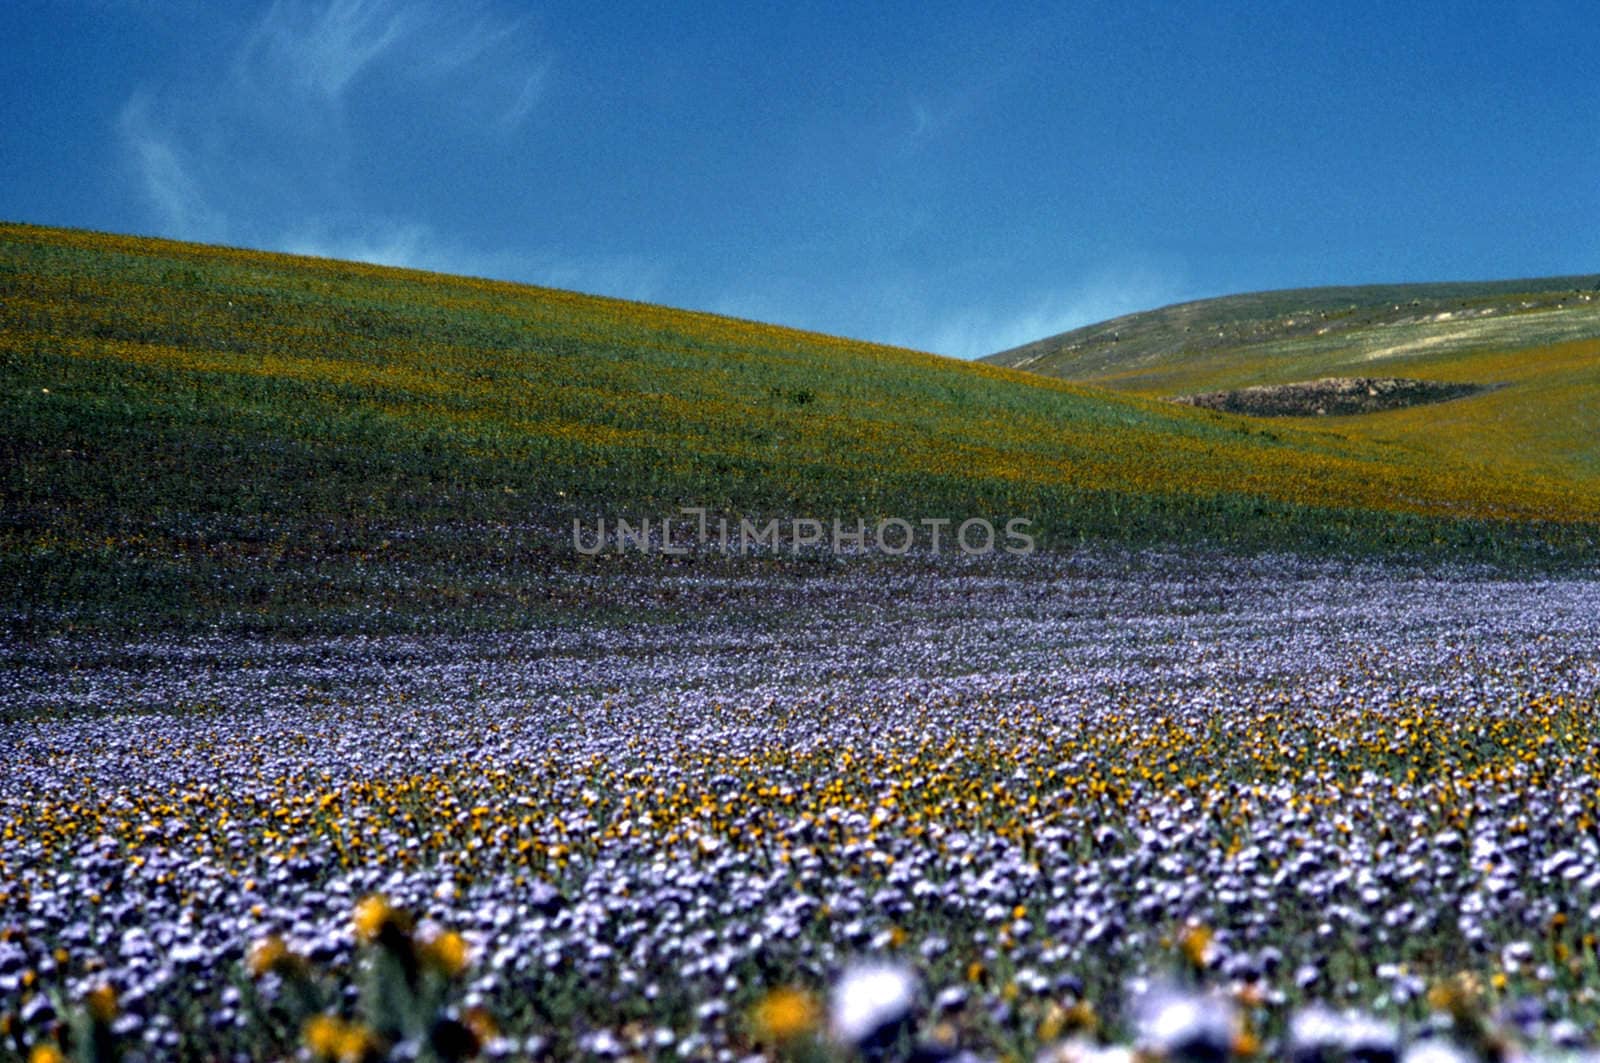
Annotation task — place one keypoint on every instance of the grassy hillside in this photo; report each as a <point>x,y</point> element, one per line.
<point>201,435</point>
<point>1532,347</point>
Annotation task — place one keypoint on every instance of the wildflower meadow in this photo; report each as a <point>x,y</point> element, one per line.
<point>327,737</point>
<point>998,811</point>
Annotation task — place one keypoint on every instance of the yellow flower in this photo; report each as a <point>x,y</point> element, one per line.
<point>355,1044</point>
<point>372,914</point>
<point>481,1023</point>
<point>1458,995</point>
<point>46,1054</point>
<point>322,1034</point>
<point>1195,943</point>
<point>102,1003</point>
<point>785,1014</point>
<point>1053,1022</point>
<point>266,954</point>
<point>1081,1018</point>
<point>446,952</point>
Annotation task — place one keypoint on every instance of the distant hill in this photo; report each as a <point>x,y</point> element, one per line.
<point>194,435</point>
<point>1519,362</point>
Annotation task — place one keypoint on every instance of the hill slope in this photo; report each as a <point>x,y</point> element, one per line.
<point>194,434</point>
<point>1530,350</point>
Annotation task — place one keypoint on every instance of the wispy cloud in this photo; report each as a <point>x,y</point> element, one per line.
<point>902,312</point>
<point>262,151</point>
<point>974,332</point>
<point>527,97</point>
<point>319,49</point>
<point>324,50</point>
<point>166,177</point>
<point>416,245</point>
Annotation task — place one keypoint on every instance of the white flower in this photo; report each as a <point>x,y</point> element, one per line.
<point>1314,1030</point>
<point>1079,1050</point>
<point>1178,1025</point>
<point>869,1000</point>
<point>1370,1036</point>
<point>1435,1051</point>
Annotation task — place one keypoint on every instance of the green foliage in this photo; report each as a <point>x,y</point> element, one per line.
<point>197,437</point>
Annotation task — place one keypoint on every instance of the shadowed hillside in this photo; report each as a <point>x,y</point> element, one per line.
<point>193,434</point>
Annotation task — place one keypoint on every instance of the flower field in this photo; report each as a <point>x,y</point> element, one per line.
<point>992,810</point>
<point>325,741</point>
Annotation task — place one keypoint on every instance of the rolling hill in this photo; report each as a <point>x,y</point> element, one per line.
<point>202,436</point>
<point>1518,363</point>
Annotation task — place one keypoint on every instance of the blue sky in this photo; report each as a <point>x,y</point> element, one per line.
<point>937,175</point>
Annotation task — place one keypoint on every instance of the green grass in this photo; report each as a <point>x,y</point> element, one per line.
<point>1291,332</point>
<point>1533,345</point>
<point>196,436</point>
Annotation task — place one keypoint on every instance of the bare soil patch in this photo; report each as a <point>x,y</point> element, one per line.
<point>1331,396</point>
